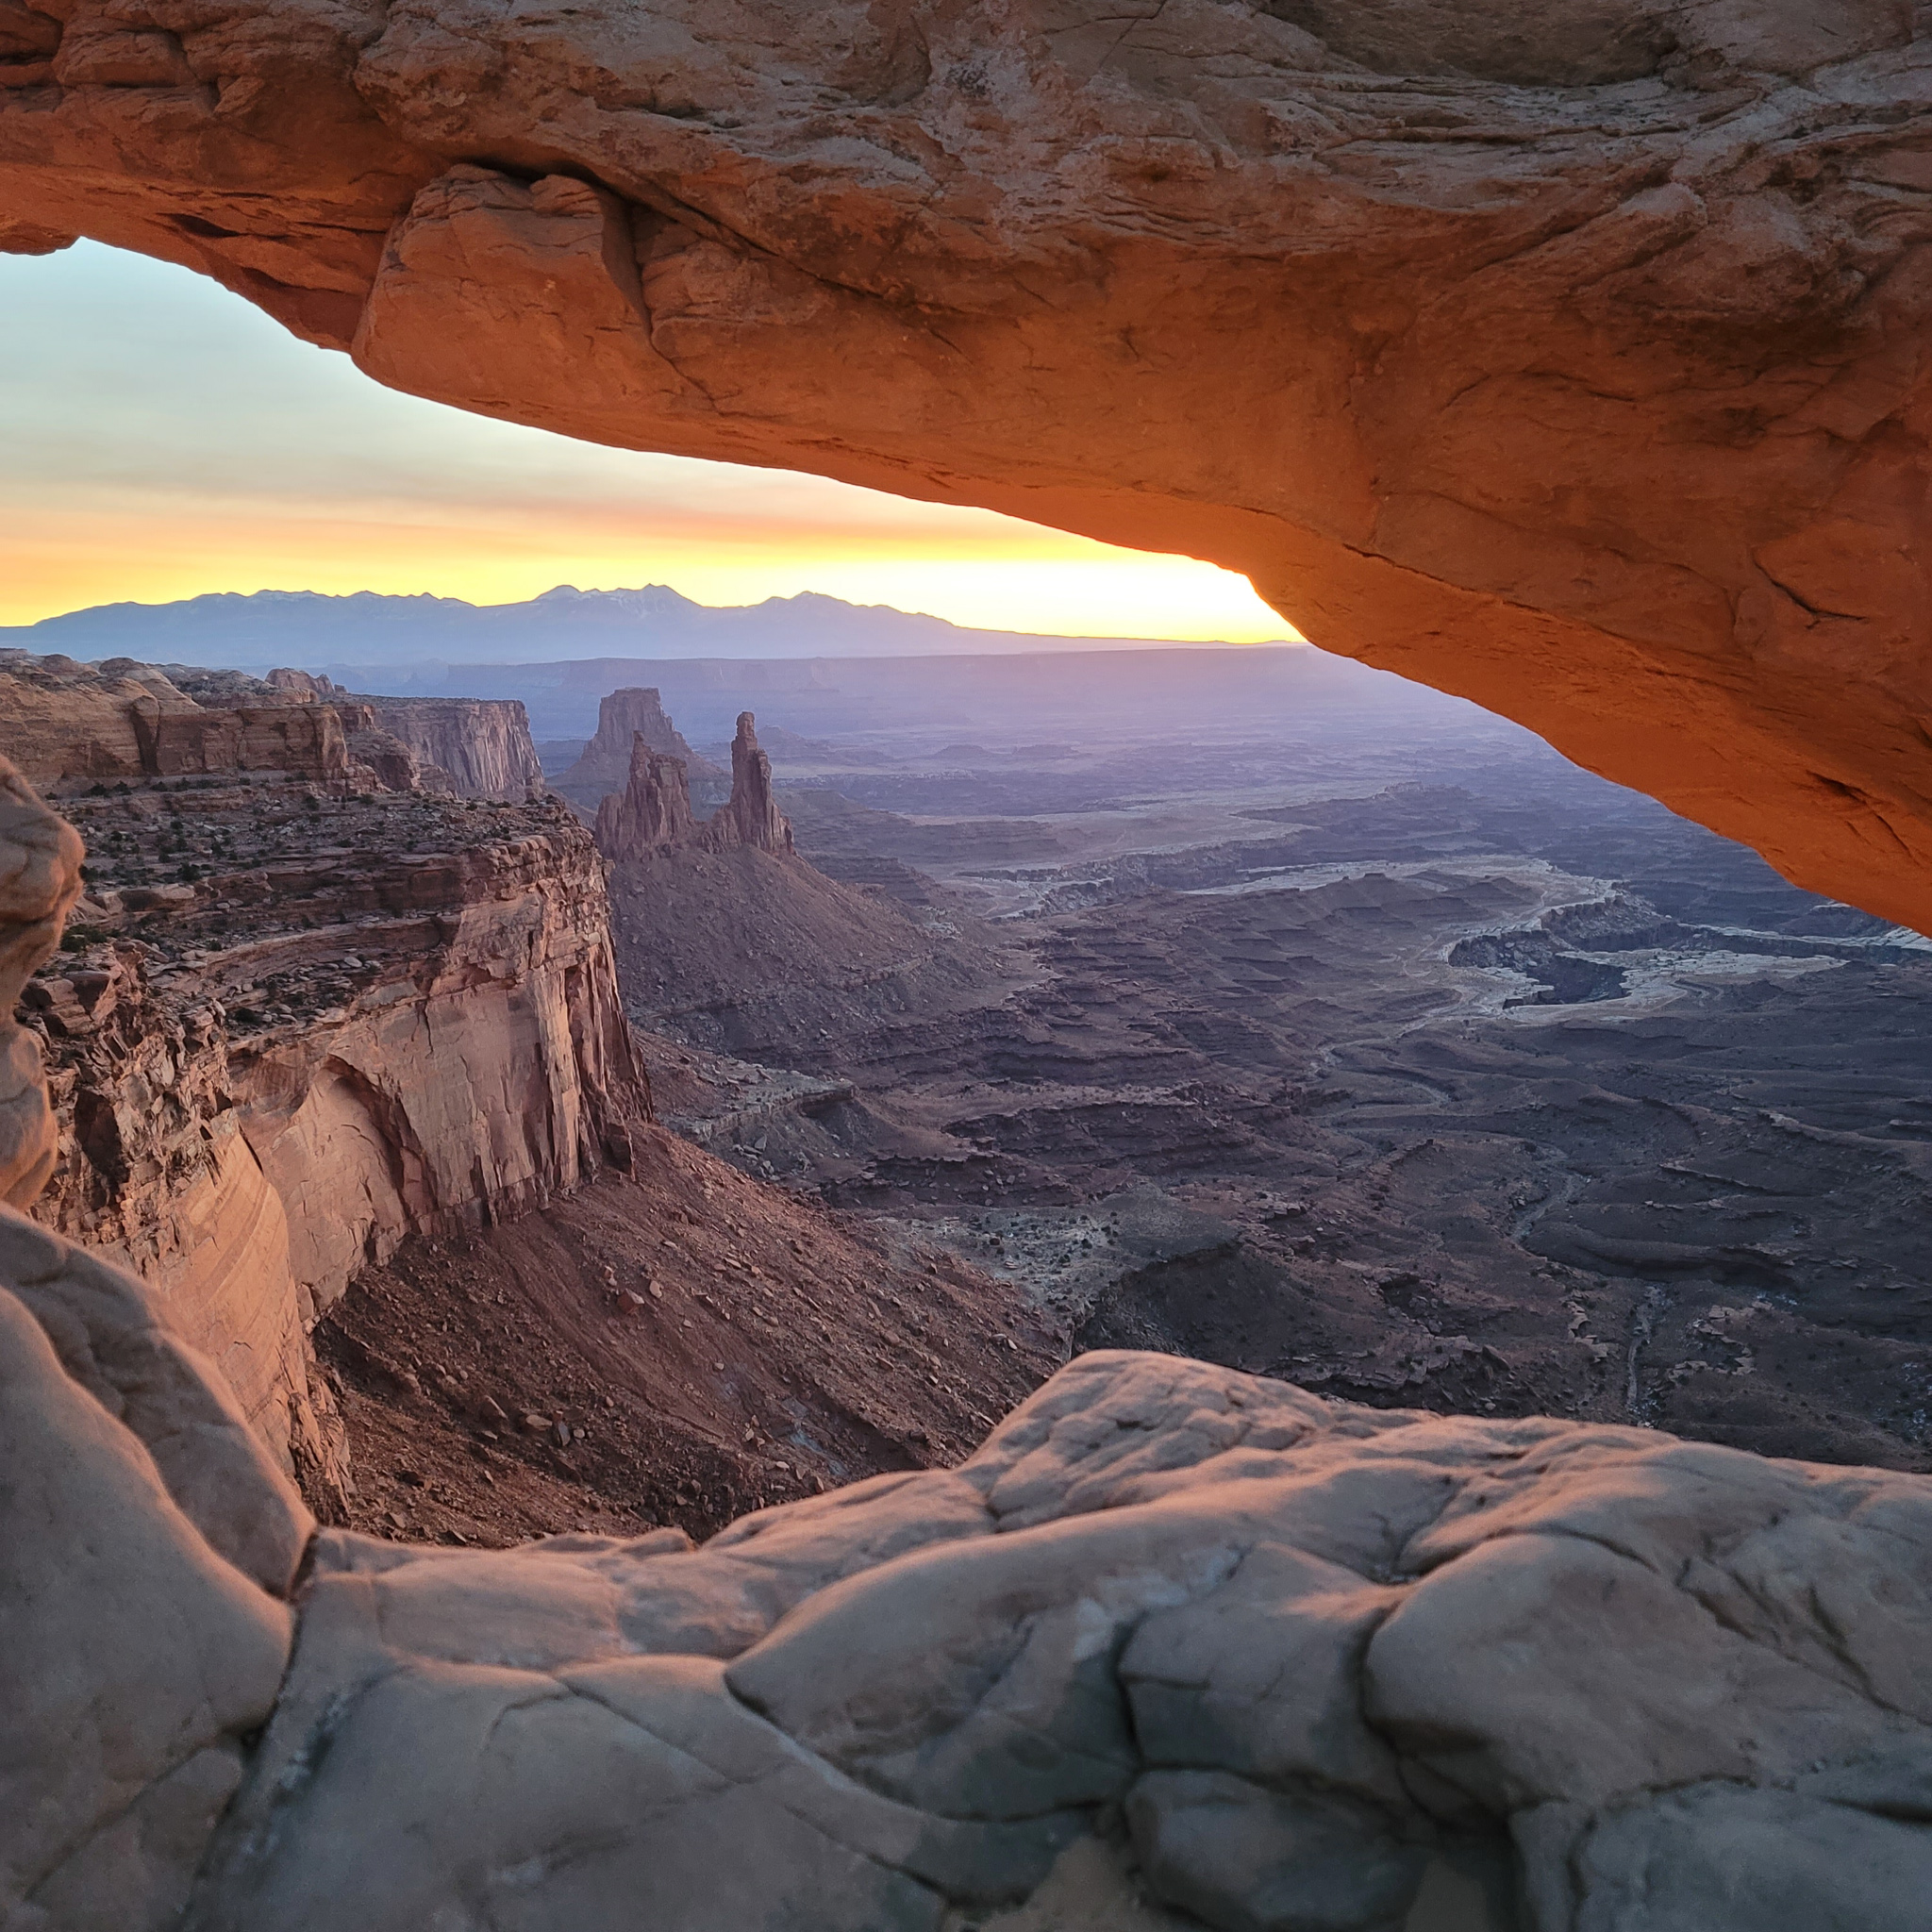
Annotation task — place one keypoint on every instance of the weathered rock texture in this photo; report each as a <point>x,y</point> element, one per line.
<point>69,722</point>
<point>149,1538</point>
<point>39,880</point>
<point>476,747</point>
<point>155,1167</point>
<point>606,764</point>
<point>1569,357</point>
<point>1176,1646</point>
<point>482,745</point>
<point>751,815</point>
<point>653,812</point>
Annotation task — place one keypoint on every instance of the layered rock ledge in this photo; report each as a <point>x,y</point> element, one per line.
<point>476,747</point>
<point>293,1024</point>
<point>1569,357</point>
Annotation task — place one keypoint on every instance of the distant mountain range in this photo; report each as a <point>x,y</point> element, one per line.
<point>304,628</point>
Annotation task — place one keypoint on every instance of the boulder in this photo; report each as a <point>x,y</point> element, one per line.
<point>39,880</point>
<point>136,1662</point>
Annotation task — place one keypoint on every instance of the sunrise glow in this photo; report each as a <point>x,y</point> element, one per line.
<point>193,446</point>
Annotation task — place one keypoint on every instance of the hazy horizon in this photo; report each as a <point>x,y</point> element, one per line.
<point>405,637</point>
<point>1284,633</point>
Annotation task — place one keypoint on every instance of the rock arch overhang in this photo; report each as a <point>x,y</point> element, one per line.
<point>1567,356</point>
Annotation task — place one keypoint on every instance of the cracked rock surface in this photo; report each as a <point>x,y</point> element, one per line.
<point>1176,1646</point>
<point>1569,357</point>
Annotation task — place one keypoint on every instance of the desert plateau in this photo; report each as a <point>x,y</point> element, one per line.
<point>1161,1166</point>
<point>1382,1051</point>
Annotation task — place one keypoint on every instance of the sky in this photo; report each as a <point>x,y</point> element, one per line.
<point>160,438</point>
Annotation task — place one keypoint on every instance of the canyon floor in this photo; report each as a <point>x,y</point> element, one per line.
<point>1378,1050</point>
<point>677,1347</point>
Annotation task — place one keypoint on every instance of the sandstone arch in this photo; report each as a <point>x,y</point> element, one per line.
<point>1566,356</point>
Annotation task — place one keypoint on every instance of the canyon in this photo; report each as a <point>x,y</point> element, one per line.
<point>1361,1042</point>
<point>1224,1642</point>
<point>300,1036</point>
<point>1347,1054</point>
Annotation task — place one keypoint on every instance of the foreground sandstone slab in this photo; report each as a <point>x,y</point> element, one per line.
<point>1176,1641</point>
<point>1176,1646</point>
<point>135,1661</point>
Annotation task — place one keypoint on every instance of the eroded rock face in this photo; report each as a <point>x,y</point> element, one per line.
<point>340,1018</point>
<point>1176,1646</point>
<point>751,816</point>
<point>149,1538</point>
<point>68,722</point>
<point>1568,356</point>
<point>135,1661</point>
<point>652,811</point>
<point>39,880</point>
<point>481,746</point>
<point>476,747</point>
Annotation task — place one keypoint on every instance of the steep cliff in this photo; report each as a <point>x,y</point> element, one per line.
<point>482,744</point>
<point>39,880</point>
<point>476,747</point>
<point>154,1167</point>
<point>292,1027</point>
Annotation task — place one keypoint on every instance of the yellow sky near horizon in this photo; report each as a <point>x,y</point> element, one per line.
<point>162,439</point>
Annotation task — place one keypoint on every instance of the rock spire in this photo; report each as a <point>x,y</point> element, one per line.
<point>653,812</point>
<point>751,817</point>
